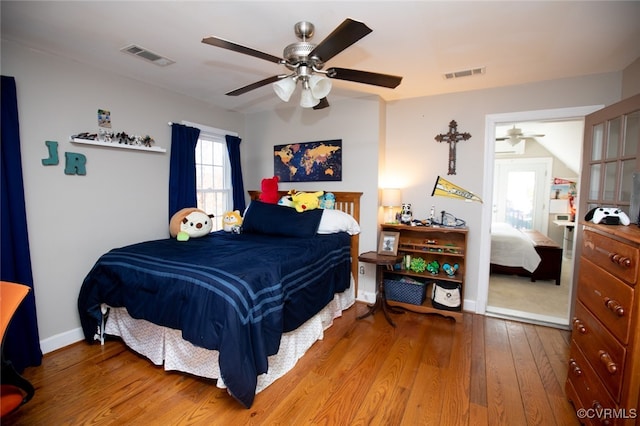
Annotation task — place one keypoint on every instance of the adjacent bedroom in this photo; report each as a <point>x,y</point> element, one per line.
<point>532,225</point>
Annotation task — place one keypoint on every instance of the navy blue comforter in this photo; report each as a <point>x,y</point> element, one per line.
<point>235,293</point>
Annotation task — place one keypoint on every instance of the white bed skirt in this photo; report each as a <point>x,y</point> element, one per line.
<point>166,346</point>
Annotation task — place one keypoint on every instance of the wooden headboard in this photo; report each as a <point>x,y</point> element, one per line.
<point>348,202</point>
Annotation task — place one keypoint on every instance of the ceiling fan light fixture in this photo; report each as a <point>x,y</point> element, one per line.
<point>284,88</point>
<point>307,100</point>
<point>304,59</point>
<point>320,86</point>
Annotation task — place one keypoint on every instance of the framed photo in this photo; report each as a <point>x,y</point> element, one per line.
<point>389,242</point>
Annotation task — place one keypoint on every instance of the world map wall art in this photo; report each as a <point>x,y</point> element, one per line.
<point>308,161</point>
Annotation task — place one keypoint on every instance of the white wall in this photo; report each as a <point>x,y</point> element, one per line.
<point>122,199</point>
<point>631,79</point>
<point>417,159</point>
<point>358,122</point>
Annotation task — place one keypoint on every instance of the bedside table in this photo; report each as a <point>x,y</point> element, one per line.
<point>381,261</point>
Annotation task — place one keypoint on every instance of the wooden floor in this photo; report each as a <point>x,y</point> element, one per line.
<point>427,371</point>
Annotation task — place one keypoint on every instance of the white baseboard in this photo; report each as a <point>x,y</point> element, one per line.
<point>469,305</point>
<point>61,340</point>
<point>366,296</point>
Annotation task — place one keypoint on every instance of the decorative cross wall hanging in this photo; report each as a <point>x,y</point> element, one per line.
<point>452,138</point>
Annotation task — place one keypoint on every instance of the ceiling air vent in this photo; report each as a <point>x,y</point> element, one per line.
<point>147,55</point>
<point>464,73</point>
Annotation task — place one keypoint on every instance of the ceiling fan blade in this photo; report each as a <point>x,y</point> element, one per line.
<point>253,86</point>
<point>324,103</point>
<point>342,37</point>
<point>366,77</point>
<point>229,45</point>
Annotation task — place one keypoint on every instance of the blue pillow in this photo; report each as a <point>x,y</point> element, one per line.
<point>273,219</point>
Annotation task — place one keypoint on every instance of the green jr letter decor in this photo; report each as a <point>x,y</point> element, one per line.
<point>53,154</point>
<point>75,164</point>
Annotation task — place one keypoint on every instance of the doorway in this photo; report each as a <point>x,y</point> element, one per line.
<point>521,203</point>
<point>482,306</point>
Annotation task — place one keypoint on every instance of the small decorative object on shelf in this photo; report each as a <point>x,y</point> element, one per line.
<point>433,267</point>
<point>85,136</point>
<point>418,264</point>
<point>406,215</point>
<point>388,243</point>
<point>450,269</point>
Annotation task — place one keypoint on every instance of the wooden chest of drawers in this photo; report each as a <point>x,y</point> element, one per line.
<point>603,380</point>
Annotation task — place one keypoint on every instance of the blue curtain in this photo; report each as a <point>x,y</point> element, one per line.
<point>233,146</point>
<point>22,343</point>
<point>182,168</point>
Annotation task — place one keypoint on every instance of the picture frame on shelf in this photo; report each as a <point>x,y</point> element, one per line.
<point>388,243</point>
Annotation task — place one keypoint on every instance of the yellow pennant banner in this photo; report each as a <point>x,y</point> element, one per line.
<point>445,188</point>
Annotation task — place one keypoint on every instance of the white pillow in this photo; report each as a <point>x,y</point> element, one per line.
<point>333,221</point>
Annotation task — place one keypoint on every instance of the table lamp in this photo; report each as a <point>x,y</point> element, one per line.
<point>391,197</point>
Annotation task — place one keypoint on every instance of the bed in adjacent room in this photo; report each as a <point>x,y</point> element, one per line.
<point>238,308</point>
<point>524,252</point>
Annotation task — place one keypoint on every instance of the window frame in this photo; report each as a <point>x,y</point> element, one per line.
<point>225,203</point>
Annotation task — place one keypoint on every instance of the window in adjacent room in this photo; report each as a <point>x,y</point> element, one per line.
<point>213,173</point>
<point>521,192</point>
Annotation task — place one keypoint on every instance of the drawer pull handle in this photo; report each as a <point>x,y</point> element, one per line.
<point>575,368</point>
<point>614,306</point>
<point>605,358</point>
<point>620,260</point>
<point>598,408</point>
<point>579,326</point>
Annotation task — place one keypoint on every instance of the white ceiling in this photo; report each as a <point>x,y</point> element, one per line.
<point>562,138</point>
<point>518,41</point>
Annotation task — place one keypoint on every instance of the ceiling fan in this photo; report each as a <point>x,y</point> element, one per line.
<point>305,61</point>
<point>515,135</point>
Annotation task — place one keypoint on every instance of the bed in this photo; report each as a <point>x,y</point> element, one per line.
<point>524,252</point>
<point>238,308</point>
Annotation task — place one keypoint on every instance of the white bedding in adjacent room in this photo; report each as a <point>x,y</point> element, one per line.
<point>510,247</point>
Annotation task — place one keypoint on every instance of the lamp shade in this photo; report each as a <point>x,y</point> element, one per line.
<point>284,88</point>
<point>320,86</point>
<point>391,197</point>
<point>307,100</point>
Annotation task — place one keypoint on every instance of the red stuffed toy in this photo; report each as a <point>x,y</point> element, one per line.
<point>269,193</point>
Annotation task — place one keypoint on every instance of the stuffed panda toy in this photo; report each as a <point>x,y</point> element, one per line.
<point>189,223</point>
<point>406,215</point>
